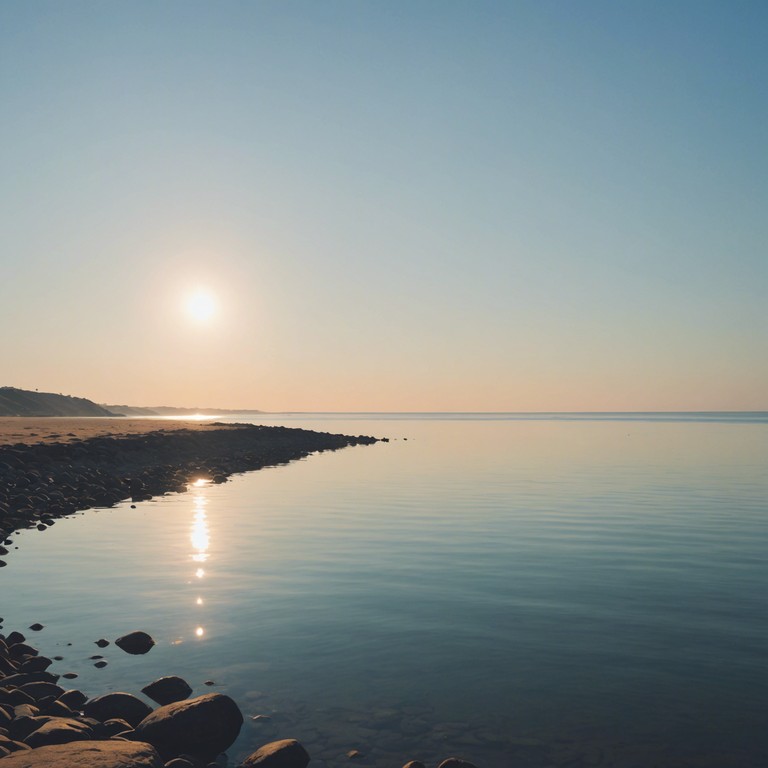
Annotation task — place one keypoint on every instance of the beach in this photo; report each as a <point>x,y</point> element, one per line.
<point>54,467</point>
<point>52,429</point>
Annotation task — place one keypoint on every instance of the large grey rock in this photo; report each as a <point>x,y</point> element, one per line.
<point>87,754</point>
<point>123,705</point>
<point>135,642</point>
<point>286,753</point>
<point>166,690</point>
<point>205,726</point>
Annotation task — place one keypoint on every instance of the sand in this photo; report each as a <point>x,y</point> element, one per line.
<point>64,429</point>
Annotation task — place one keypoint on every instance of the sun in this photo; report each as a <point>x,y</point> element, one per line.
<point>201,306</point>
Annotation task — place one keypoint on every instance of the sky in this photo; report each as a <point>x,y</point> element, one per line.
<point>386,206</point>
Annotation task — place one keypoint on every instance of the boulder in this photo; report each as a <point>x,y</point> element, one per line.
<point>87,754</point>
<point>40,690</point>
<point>456,762</point>
<point>117,705</point>
<point>73,698</point>
<point>135,642</point>
<point>287,753</point>
<point>205,726</point>
<point>167,690</point>
<point>59,730</point>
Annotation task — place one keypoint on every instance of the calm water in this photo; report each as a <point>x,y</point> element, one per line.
<point>521,592</point>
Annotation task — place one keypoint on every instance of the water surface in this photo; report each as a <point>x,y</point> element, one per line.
<point>531,591</point>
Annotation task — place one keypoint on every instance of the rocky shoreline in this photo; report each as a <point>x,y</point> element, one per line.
<point>44,481</point>
<point>42,725</point>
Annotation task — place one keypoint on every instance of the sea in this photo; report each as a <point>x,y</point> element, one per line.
<point>518,590</point>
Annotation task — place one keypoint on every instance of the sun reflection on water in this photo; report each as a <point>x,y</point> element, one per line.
<point>199,537</point>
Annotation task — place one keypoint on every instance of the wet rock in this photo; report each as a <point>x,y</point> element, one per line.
<point>117,705</point>
<point>100,664</point>
<point>414,764</point>
<point>70,675</point>
<point>102,642</point>
<point>167,690</point>
<point>286,753</point>
<point>205,725</point>
<point>87,754</point>
<point>354,753</point>
<point>36,627</point>
<point>135,643</point>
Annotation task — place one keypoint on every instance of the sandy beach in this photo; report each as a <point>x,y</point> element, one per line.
<point>63,429</point>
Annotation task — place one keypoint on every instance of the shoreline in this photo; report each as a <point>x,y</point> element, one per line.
<point>93,465</point>
<point>43,724</point>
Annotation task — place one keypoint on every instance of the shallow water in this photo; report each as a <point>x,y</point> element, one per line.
<point>521,592</point>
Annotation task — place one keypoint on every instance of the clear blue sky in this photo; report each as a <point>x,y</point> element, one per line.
<point>395,205</point>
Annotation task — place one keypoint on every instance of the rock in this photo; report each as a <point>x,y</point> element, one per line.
<point>287,753</point>
<point>59,730</point>
<point>179,762</point>
<point>117,705</point>
<point>59,709</point>
<point>87,754</point>
<point>102,643</point>
<point>205,725</point>
<point>70,675</point>
<point>100,664</point>
<point>39,690</point>
<point>25,710</point>
<point>167,690</point>
<point>414,764</point>
<point>36,627</point>
<point>354,753</point>
<point>73,699</point>
<point>456,762</point>
<point>29,677</point>
<point>115,726</point>
<point>36,664</point>
<point>135,642</point>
